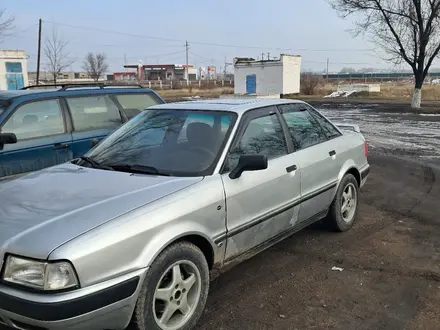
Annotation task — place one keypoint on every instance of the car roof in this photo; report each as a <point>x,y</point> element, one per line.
<point>20,92</point>
<point>39,93</point>
<point>238,105</point>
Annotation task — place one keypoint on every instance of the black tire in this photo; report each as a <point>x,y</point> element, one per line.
<point>143,317</point>
<point>335,219</point>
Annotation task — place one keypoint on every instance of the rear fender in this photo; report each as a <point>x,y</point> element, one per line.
<point>348,165</point>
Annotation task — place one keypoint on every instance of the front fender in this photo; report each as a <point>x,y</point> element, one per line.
<point>172,234</point>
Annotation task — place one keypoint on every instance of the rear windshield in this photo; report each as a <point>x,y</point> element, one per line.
<point>135,103</point>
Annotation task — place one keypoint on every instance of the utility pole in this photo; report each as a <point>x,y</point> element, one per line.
<point>39,51</point>
<point>226,65</point>
<point>187,71</point>
<point>268,56</point>
<point>327,70</point>
<point>262,56</point>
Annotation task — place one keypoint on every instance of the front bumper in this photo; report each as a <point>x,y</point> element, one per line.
<point>107,305</point>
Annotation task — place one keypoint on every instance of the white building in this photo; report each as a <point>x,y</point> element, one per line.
<point>267,77</point>
<point>13,69</point>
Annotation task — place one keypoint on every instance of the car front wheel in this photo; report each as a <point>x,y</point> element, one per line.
<point>175,290</point>
<point>344,208</point>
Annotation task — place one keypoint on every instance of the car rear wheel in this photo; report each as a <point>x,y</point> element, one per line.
<point>343,210</point>
<point>175,290</point>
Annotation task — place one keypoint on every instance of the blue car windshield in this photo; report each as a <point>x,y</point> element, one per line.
<point>176,142</point>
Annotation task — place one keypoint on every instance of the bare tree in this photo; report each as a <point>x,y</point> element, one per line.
<point>405,30</point>
<point>309,82</point>
<point>95,65</point>
<point>57,54</point>
<point>6,23</point>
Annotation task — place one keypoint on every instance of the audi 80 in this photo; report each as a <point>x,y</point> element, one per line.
<point>131,232</point>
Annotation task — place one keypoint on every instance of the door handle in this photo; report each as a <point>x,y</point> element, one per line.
<point>291,168</point>
<point>58,146</point>
<point>332,153</point>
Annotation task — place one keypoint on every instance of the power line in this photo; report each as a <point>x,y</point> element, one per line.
<point>206,43</point>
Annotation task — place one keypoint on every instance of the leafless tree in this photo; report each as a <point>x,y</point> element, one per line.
<point>95,65</point>
<point>309,82</point>
<point>55,49</point>
<point>6,23</point>
<point>405,30</point>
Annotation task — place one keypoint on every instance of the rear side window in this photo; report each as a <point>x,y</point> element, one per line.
<point>304,129</point>
<point>36,119</point>
<point>94,112</point>
<point>135,103</point>
<point>328,127</point>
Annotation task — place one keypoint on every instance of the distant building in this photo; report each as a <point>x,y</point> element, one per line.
<point>267,77</point>
<point>125,76</point>
<point>69,76</point>
<point>13,69</point>
<point>163,71</point>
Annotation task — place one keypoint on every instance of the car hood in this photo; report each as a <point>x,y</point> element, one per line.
<point>45,209</point>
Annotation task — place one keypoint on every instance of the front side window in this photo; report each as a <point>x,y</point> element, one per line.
<point>264,136</point>
<point>304,129</point>
<point>177,142</point>
<point>93,112</point>
<point>135,102</point>
<point>36,119</point>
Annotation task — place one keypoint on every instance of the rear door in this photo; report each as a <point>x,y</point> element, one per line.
<point>133,103</point>
<point>93,117</point>
<point>316,157</point>
<point>42,136</point>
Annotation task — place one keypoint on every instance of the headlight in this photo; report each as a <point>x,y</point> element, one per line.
<point>39,274</point>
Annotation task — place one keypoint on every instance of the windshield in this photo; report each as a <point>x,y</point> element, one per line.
<point>175,142</point>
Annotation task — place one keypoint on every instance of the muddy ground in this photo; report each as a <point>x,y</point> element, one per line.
<point>390,259</point>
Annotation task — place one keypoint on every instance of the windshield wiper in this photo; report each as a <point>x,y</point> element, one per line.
<point>95,164</point>
<point>136,168</point>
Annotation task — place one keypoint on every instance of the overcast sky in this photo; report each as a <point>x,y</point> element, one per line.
<point>155,31</point>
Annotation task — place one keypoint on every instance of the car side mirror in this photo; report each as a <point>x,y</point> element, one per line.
<point>8,138</point>
<point>249,163</point>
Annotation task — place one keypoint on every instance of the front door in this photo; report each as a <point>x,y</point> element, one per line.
<point>260,204</point>
<point>42,138</point>
<point>93,118</point>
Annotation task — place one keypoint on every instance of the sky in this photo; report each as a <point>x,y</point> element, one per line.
<point>155,32</point>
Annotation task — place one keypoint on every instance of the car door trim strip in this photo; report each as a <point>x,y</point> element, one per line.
<point>274,212</point>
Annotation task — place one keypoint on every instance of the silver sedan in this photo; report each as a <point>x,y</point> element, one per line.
<point>131,232</point>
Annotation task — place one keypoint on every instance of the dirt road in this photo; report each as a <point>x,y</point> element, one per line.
<point>390,261</point>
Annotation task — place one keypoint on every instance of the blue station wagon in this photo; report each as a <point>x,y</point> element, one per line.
<point>45,127</point>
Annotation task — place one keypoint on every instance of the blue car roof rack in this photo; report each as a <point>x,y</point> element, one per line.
<point>64,87</point>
